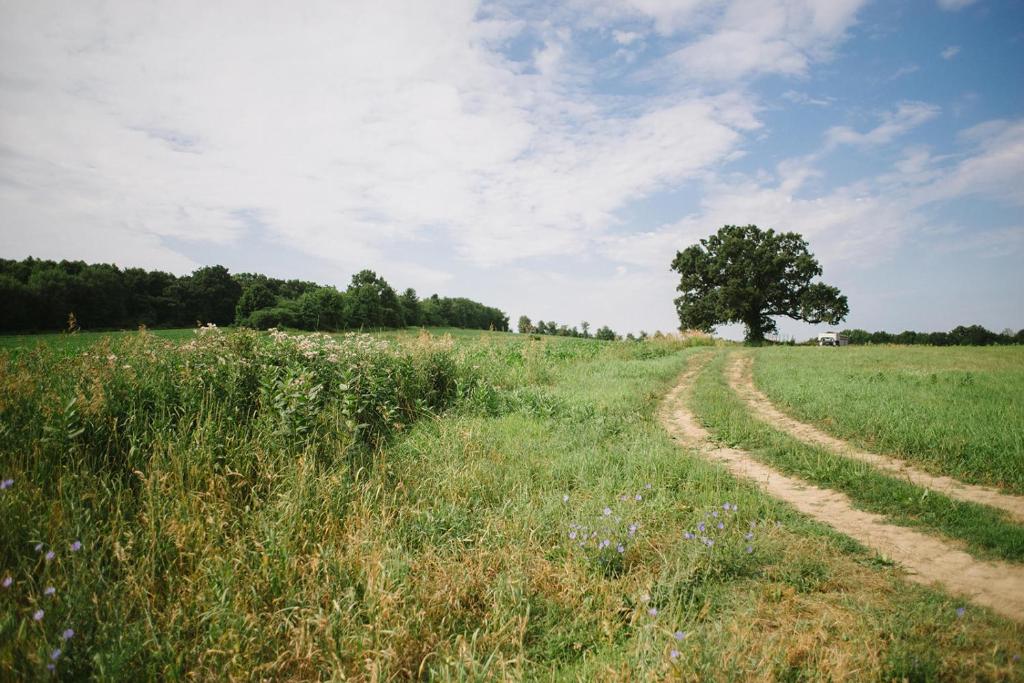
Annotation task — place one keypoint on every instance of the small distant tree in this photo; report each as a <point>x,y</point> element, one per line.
<point>605,333</point>
<point>585,326</point>
<point>747,275</point>
<point>524,325</point>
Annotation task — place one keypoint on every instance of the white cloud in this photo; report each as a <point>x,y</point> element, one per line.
<point>955,5</point>
<point>346,128</point>
<point>908,115</point>
<point>766,36</point>
<point>626,37</point>
<point>950,52</point>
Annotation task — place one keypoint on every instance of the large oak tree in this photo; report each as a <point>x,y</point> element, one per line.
<point>743,274</point>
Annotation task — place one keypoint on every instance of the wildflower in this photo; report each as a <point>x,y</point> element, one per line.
<point>750,549</point>
<point>605,543</point>
<point>7,582</point>
<point>565,498</point>
<point>708,542</point>
<point>632,529</point>
<point>39,547</point>
<point>51,667</point>
<point>960,612</point>
<point>38,616</point>
<point>607,511</point>
<point>638,497</point>
<point>50,555</point>
<point>572,535</point>
<point>653,611</point>
<point>6,483</point>
<point>721,525</point>
<point>621,548</point>
<point>55,655</point>
<point>735,507</point>
<point>714,513</point>
<point>700,527</point>
<point>50,590</point>
<point>674,654</point>
<point>679,635</point>
<point>647,486</point>
<point>68,634</point>
<point>749,535</point>
<point>688,536</point>
<point>623,497</point>
<point>725,506</point>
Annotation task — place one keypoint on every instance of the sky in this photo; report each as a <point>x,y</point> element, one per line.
<point>546,158</point>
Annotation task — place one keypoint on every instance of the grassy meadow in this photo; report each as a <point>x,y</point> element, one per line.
<point>955,410</point>
<point>452,506</point>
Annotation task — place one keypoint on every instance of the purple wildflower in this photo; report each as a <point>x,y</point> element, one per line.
<point>632,529</point>
<point>55,655</point>
<point>50,590</point>
<point>960,612</point>
<point>674,654</point>
<point>607,511</point>
<point>708,542</point>
<point>51,666</point>
<point>38,616</point>
<point>725,506</point>
<point>700,527</point>
<point>68,634</point>
<point>714,513</point>
<point>749,535</point>
<point>638,497</point>
<point>77,545</point>
<point>750,549</point>
<point>50,555</point>
<point>653,611</point>
<point>621,548</point>
<point>721,525</point>
<point>572,535</point>
<point>605,543</point>
<point>679,635</point>
<point>6,483</point>
<point>688,536</point>
<point>7,582</point>
<point>623,497</point>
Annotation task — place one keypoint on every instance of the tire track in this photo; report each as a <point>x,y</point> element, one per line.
<point>740,378</point>
<point>928,560</point>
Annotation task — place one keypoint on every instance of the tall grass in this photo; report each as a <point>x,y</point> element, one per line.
<point>957,411</point>
<point>254,507</point>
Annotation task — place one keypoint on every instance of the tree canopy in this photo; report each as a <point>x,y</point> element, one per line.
<point>743,274</point>
<point>38,295</point>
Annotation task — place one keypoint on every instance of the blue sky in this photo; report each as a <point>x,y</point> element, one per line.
<point>547,158</point>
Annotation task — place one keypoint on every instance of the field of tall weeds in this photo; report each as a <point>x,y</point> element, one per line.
<point>253,506</point>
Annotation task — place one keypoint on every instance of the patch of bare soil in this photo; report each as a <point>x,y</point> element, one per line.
<point>928,560</point>
<point>741,379</point>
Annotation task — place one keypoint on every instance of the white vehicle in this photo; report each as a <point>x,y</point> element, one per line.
<point>833,339</point>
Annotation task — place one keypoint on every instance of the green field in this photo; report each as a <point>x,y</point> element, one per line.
<point>955,410</point>
<point>413,506</point>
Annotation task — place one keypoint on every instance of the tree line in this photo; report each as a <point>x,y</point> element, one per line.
<point>526,326</point>
<point>962,335</point>
<point>40,295</point>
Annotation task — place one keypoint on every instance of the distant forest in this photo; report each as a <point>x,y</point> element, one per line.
<point>38,295</point>
<point>963,335</point>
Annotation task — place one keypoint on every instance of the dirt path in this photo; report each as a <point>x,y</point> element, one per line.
<point>996,585</point>
<point>741,379</point>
